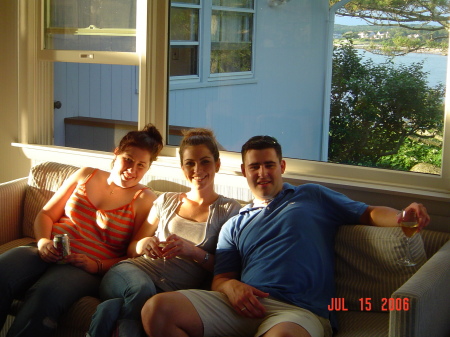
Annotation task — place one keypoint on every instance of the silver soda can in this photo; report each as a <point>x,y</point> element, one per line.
<point>62,245</point>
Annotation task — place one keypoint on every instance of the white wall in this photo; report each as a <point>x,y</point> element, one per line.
<point>13,163</point>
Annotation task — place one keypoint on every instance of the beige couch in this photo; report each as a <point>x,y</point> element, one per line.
<point>403,301</point>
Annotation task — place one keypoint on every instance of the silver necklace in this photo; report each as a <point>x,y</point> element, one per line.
<point>123,188</point>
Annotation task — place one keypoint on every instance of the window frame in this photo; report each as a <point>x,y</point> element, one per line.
<point>190,78</point>
<point>205,78</point>
<point>88,56</point>
<point>36,113</point>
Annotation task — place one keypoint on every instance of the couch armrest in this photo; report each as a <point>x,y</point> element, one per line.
<point>12,196</point>
<point>429,299</point>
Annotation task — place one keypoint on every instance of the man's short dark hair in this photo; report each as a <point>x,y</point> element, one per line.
<point>261,143</point>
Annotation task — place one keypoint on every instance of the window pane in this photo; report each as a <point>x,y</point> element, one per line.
<point>287,59</point>
<point>183,60</point>
<point>107,25</point>
<point>234,3</point>
<point>230,58</point>
<point>184,24</point>
<point>387,111</point>
<point>231,42</point>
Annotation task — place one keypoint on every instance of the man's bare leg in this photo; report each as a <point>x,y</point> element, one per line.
<point>171,314</point>
<point>287,329</point>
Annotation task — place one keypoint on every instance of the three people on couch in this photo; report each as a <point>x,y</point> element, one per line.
<point>273,262</point>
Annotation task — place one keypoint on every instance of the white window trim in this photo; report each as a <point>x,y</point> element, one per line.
<point>231,166</point>
<point>36,113</point>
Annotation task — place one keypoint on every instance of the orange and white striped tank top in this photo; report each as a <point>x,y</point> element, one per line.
<point>100,234</point>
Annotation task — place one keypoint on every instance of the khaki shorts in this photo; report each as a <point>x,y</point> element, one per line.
<point>220,319</point>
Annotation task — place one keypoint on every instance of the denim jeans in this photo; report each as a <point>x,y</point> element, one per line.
<point>47,289</point>
<point>124,290</point>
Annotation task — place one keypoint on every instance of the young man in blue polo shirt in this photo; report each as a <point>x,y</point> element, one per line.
<point>274,260</point>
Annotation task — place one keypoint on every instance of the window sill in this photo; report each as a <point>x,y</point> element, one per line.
<point>190,84</point>
<point>231,167</point>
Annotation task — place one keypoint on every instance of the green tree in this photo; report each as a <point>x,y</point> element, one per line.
<point>375,108</point>
<point>402,13</point>
<point>428,17</point>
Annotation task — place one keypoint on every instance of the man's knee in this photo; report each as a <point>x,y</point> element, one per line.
<point>167,313</point>
<point>160,313</point>
<point>287,329</point>
<point>152,313</point>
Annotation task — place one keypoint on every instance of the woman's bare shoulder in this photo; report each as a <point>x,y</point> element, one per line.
<point>148,194</point>
<point>82,173</point>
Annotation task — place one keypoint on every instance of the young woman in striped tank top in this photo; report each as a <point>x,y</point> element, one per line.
<point>187,223</point>
<point>101,212</point>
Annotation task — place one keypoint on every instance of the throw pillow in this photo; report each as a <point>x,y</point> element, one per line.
<point>43,181</point>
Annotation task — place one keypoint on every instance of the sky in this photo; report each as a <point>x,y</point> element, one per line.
<point>348,21</point>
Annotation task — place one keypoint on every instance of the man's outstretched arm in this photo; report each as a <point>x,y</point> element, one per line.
<point>388,217</point>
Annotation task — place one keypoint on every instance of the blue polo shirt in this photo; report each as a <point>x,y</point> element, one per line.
<point>287,248</point>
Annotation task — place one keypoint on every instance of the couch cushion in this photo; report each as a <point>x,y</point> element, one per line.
<point>362,324</point>
<point>366,264</point>
<point>76,321</point>
<point>16,243</point>
<point>43,181</point>
<point>433,241</point>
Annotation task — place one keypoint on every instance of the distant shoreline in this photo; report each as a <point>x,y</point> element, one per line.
<point>434,51</point>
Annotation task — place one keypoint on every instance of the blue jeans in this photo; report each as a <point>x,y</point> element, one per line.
<point>124,290</point>
<point>48,290</point>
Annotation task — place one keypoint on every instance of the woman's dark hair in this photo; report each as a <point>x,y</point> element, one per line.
<point>261,143</point>
<point>199,136</point>
<point>148,139</point>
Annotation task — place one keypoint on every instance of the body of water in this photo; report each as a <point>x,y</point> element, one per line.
<point>435,65</point>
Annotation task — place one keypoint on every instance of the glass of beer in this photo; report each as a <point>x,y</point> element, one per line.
<point>410,226</point>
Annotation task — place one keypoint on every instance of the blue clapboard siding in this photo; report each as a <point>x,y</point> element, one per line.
<point>286,98</point>
<point>94,90</point>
